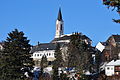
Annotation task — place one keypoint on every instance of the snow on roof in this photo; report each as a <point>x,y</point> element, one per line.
<point>66,35</point>
<point>103,66</point>
<point>114,63</point>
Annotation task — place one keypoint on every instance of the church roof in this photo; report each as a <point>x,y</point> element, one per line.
<point>43,46</point>
<point>59,15</point>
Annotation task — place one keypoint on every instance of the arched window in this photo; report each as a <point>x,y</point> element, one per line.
<point>37,54</point>
<point>40,54</point>
<point>49,54</point>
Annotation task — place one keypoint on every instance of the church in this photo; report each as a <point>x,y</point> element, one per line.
<point>48,49</point>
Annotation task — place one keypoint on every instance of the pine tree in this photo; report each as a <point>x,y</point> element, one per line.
<point>58,62</point>
<point>73,50</point>
<point>58,56</point>
<point>98,60</point>
<point>44,62</point>
<point>115,4</point>
<point>15,55</point>
<point>2,63</point>
<point>78,53</point>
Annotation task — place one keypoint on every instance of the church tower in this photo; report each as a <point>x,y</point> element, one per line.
<point>59,25</point>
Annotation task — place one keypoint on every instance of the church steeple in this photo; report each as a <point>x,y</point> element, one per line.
<point>59,25</point>
<point>59,15</point>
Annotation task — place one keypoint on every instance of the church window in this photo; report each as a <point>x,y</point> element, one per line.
<point>37,54</point>
<point>49,54</point>
<point>40,54</point>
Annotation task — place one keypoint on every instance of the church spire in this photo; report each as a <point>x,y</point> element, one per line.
<point>59,25</point>
<point>59,15</point>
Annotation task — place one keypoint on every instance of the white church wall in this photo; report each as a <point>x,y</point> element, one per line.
<point>59,28</point>
<point>67,41</point>
<point>49,54</point>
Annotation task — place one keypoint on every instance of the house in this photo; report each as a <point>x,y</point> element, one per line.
<point>110,50</point>
<point>113,46</point>
<point>112,68</point>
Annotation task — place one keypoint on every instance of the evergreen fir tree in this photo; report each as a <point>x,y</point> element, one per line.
<point>97,60</point>
<point>58,62</point>
<point>58,57</point>
<point>78,53</point>
<point>115,4</point>
<point>15,55</point>
<point>2,63</point>
<point>44,62</point>
<point>73,50</point>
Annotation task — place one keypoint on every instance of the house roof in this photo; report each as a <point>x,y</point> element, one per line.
<point>114,63</point>
<point>116,38</point>
<point>104,43</point>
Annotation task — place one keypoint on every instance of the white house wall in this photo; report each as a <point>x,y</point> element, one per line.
<point>109,70</point>
<point>49,54</point>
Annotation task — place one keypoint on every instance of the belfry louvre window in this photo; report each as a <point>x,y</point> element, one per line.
<point>61,27</point>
